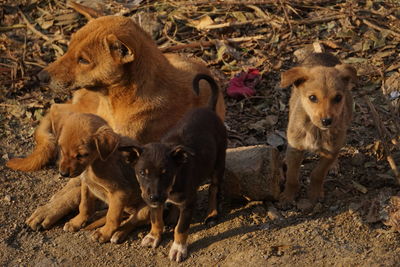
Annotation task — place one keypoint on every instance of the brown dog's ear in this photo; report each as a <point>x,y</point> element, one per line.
<point>119,50</point>
<point>106,141</point>
<point>348,74</point>
<point>131,153</point>
<point>181,154</point>
<point>296,76</point>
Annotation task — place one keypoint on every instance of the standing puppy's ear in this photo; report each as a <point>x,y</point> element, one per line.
<point>180,154</point>
<point>348,74</point>
<point>131,153</point>
<point>106,141</point>
<point>119,51</point>
<point>296,76</point>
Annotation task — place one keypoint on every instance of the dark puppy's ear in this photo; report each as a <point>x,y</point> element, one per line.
<point>180,154</point>
<point>348,74</point>
<point>119,50</point>
<point>106,141</point>
<point>296,76</point>
<point>130,152</point>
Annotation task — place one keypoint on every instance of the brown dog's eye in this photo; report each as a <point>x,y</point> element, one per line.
<point>83,61</point>
<point>313,98</point>
<point>81,156</point>
<point>337,98</point>
<point>142,173</point>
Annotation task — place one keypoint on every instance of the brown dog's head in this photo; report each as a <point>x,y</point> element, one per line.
<point>83,139</point>
<point>99,56</point>
<point>156,167</point>
<point>323,90</point>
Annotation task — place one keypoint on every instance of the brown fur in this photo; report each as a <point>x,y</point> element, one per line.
<point>173,169</point>
<point>141,92</point>
<point>88,149</point>
<point>320,113</point>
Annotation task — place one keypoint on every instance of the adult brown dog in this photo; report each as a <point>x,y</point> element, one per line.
<point>141,92</point>
<point>320,113</point>
<point>88,149</point>
<point>173,169</point>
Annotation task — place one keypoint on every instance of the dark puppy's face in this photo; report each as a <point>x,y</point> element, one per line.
<point>156,167</point>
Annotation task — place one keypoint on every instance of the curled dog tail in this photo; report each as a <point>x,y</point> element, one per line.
<point>45,150</point>
<point>212,103</point>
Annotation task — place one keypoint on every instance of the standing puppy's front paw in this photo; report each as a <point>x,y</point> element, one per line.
<point>151,241</point>
<point>100,236</point>
<point>178,252</point>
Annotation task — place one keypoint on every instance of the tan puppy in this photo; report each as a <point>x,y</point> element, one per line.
<point>88,148</point>
<point>142,93</point>
<point>320,113</point>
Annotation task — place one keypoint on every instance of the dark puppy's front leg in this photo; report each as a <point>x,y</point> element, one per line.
<point>294,157</point>
<point>316,190</point>
<point>86,209</point>
<point>178,251</point>
<point>153,238</point>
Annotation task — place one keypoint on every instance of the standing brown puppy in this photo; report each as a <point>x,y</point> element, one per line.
<point>320,113</point>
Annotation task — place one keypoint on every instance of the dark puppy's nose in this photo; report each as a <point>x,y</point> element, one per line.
<point>44,76</point>
<point>154,198</point>
<point>64,173</point>
<point>326,121</point>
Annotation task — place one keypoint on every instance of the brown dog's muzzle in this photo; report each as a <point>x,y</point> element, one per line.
<point>44,76</point>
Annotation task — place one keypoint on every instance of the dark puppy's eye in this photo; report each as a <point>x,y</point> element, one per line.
<point>337,98</point>
<point>83,61</point>
<point>313,98</point>
<point>142,173</point>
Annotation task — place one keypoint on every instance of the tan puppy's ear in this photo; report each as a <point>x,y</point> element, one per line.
<point>106,141</point>
<point>119,50</point>
<point>296,76</point>
<point>348,74</point>
<point>181,154</point>
<point>130,152</point>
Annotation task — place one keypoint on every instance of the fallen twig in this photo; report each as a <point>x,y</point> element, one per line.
<point>383,135</point>
<point>376,27</point>
<point>210,43</point>
<point>12,27</point>
<point>33,29</point>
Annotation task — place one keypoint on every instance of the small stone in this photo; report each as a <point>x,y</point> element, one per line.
<point>7,198</point>
<point>273,213</point>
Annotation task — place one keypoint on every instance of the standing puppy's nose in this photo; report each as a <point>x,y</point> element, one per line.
<point>154,198</point>
<point>44,76</point>
<point>326,121</point>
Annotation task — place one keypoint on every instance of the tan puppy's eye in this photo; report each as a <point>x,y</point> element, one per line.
<point>83,61</point>
<point>337,98</point>
<point>313,98</point>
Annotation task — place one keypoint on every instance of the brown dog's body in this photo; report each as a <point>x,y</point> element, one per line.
<point>172,170</point>
<point>320,114</point>
<point>141,92</point>
<point>88,149</point>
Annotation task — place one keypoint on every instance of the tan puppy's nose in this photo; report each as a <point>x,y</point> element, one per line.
<point>326,121</point>
<point>64,173</point>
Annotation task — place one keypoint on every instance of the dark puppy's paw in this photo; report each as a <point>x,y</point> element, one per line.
<point>211,221</point>
<point>151,241</point>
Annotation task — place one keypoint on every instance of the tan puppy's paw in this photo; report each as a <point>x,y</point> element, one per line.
<point>151,241</point>
<point>100,236</point>
<point>178,252</point>
<point>75,224</point>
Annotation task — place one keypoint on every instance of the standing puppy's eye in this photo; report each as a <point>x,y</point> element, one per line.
<point>83,61</point>
<point>337,98</point>
<point>142,173</point>
<point>82,156</point>
<point>313,98</point>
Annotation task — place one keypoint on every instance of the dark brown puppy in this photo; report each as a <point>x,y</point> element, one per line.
<point>172,170</point>
<point>320,114</point>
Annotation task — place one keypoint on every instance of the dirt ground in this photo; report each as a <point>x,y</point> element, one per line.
<point>346,229</point>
